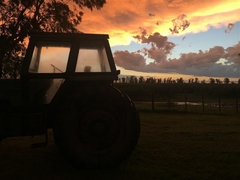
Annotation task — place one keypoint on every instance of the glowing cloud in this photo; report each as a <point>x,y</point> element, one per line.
<point>121,20</point>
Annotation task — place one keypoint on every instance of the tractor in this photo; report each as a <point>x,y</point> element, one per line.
<point>66,84</point>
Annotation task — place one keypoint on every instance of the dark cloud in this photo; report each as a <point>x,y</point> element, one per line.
<point>179,24</point>
<point>233,54</point>
<point>160,46</point>
<point>156,39</point>
<point>202,63</point>
<point>123,18</point>
<point>151,14</point>
<point>229,28</point>
<point>213,70</point>
<point>193,60</point>
<point>157,54</point>
<point>131,61</point>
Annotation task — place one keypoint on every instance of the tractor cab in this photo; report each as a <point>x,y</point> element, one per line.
<point>56,58</point>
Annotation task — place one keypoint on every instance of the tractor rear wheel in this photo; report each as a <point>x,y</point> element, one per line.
<point>98,136</point>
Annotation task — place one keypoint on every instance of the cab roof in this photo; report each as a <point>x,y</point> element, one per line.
<point>52,35</point>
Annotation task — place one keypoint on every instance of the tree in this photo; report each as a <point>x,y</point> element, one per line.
<point>151,80</point>
<point>169,80</point>
<point>19,18</point>
<point>212,81</point>
<point>141,79</point>
<point>218,81</point>
<point>196,80</point>
<point>191,80</point>
<point>133,79</point>
<point>226,81</point>
<point>164,80</point>
<point>180,80</point>
<point>123,79</point>
<point>159,80</point>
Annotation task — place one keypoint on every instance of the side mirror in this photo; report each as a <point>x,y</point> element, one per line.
<point>118,72</point>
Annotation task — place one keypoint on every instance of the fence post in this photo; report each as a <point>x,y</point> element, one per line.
<point>169,101</point>
<point>185,101</point>
<point>203,103</point>
<point>236,103</point>
<point>152,102</point>
<point>219,103</point>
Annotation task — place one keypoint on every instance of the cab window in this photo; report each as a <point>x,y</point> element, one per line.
<point>92,57</point>
<point>50,57</point>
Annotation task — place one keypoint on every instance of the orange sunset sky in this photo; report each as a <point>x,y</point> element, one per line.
<point>143,42</point>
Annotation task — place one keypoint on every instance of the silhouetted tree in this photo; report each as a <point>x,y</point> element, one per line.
<point>218,81</point>
<point>127,79</point>
<point>20,17</point>
<point>191,80</point>
<point>141,79</point>
<point>212,81</point>
<point>136,80</point>
<point>196,80</point>
<point>150,80</point>
<point>119,80</point>
<point>159,80</point>
<point>226,81</point>
<point>133,79</point>
<point>164,81</point>
<point>180,80</point>
<point>123,79</point>
<point>169,80</point>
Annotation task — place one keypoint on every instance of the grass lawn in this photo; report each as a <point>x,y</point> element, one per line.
<point>171,146</point>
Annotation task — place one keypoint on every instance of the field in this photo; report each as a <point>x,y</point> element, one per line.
<point>171,146</point>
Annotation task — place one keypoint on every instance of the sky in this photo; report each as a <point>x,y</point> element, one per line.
<point>171,38</point>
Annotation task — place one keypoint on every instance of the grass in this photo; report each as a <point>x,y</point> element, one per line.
<point>171,146</point>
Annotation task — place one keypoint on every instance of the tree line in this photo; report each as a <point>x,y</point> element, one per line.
<point>141,79</point>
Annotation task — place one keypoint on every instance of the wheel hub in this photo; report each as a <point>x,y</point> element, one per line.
<point>98,130</point>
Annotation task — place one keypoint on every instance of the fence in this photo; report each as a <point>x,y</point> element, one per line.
<point>220,104</point>
<point>184,97</point>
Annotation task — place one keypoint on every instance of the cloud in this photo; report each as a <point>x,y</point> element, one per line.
<point>179,24</point>
<point>121,20</point>
<point>229,28</point>
<point>198,60</point>
<point>155,40</point>
<point>160,46</point>
<point>202,63</point>
<point>150,14</point>
<point>233,54</point>
<point>131,61</point>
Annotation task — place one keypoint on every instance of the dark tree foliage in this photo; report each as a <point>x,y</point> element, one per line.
<point>18,18</point>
